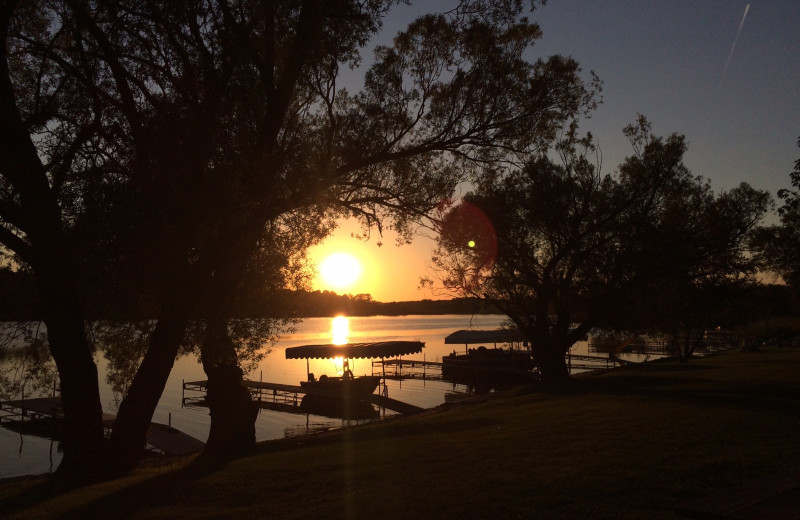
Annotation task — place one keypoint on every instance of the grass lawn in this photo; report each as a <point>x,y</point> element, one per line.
<point>635,442</point>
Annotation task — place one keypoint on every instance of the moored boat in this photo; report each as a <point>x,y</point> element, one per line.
<point>488,365</point>
<point>347,385</point>
<point>496,361</point>
<point>344,396</point>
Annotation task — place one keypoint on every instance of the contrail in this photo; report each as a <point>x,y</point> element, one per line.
<point>730,55</point>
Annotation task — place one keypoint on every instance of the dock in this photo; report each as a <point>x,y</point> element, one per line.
<point>584,362</point>
<point>169,441</point>
<point>46,414</point>
<point>399,369</point>
<point>287,398</point>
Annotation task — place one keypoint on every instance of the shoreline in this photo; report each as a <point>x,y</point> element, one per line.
<point>573,452</point>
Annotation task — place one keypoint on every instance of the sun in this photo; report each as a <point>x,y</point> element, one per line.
<point>340,270</point>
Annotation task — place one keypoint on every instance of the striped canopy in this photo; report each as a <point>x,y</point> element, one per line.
<point>378,349</point>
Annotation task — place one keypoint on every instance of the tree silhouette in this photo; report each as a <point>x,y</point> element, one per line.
<point>561,248</point>
<point>203,125</point>
<point>787,240</point>
<point>40,213</point>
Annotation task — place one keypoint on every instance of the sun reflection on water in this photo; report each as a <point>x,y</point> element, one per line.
<point>340,329</point>
<point>338,365</point>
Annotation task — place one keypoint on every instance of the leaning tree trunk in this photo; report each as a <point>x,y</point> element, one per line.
<point>233,412</point>
<point>50,253</point>
<point>129,434</point>
<point>82,438</point>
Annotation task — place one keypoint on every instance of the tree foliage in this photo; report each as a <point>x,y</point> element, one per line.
<point>561,248</point>
<point>782,243</point>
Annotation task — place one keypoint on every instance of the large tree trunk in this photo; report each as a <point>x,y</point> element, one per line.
<point>233,412</point>
<point>551,358</point>
<point>135,413</point>
<point>50,253</point>
<point>82,438</point>
<point>549,352</point>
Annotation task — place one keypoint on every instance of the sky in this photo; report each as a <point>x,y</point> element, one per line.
<point>730,83</point>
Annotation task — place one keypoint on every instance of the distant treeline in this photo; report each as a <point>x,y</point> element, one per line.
<point>325,303</point>
<point>117,301</point>
<point>19,302</point>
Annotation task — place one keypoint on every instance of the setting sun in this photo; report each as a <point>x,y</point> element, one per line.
<point>387,273</point>
<point>340,270</point>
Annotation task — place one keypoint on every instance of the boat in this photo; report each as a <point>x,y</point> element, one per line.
<point>348,386</point>
<point>344,396</point>
<point>488,367</point>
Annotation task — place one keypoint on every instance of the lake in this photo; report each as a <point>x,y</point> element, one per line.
<point>21,455</point>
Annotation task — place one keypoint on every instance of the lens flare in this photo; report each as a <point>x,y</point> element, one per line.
<point>466,223</point>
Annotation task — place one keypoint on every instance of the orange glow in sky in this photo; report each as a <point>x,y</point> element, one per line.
<point>387,272</point>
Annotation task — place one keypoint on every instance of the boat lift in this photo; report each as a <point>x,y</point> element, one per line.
<point>471,337</point>
<point>288,398</point>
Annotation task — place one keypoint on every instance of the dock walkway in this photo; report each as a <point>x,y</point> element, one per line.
<point>276,396</point>
<point>432,370</point>
<point>162,438</point>
<point>584,362</point>
<point>407,369</point>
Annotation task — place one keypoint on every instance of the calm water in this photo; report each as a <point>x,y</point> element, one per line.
<point>20,455</point>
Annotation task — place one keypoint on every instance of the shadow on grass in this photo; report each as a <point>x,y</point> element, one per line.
<point>164,488</point>
<point>395,428</point>
<point>159,489</point>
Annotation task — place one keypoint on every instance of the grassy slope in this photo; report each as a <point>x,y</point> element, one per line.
<point>632,443</point>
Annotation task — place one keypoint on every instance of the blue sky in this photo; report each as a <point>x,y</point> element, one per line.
<point>666,59</point>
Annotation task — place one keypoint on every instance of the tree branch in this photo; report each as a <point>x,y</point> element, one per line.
<point>14,242</point>
<point>118,71</point>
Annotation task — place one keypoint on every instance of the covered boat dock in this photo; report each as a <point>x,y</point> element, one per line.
<point>289,398</point>
<point>514,336</point>
<point>494,337</point>
<point>286,398</point>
